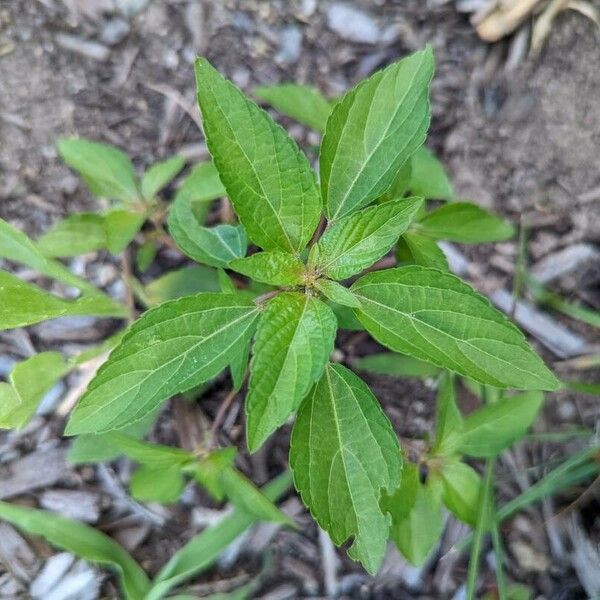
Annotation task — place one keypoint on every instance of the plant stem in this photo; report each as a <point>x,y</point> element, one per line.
<point>498,552</point>
<point>482,525</point>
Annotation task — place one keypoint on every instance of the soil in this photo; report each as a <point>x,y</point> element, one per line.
<point>523,140</point>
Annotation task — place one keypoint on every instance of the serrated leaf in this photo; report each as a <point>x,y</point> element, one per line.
<point>157,484</point>
<point>159,175</point>
<point>428,177</point>
<point>275,268</point>
<point>77,234</point>
<point>337,293</point>
<point>357,241</point>
<point>448,419</point>
<point>29,381</point>
<point>215,246</point>
<point>396,365</point>
<point>170,349</point>
<point>293,342</point>
<point>490,429</point>
<point>301,102</point>
<point>267,178</point>
<point>421,250</point>
<point>83,541</point>
<point>182,282</point>
<point>436,317</point>
<point>343,454</point>
<point>417,521</point>
<point>462,489</point>
<point>23,304</point>
<point>108,172</point>
<point>465,222</point>
<point>372,131</point>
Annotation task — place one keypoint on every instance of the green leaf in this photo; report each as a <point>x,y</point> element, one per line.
<point>436,317</point>
<point>357,241</point>
<point>465,222</point>
<point>400,183</point>
<point>170,349</point>
<point>159,175</point>
<point>201,186</point>
<point>77,234</point>
<point>267,178</point>
<point>152,455</point>
<point>30,380</point>
<point>107,171</point>
<point>346,318</point>
<point>26,304</point>
<point>372,131</point>
<point>421,250</point>
<point>295,337</point>
<point>396,365</point>
<point>448,419</point>
<point>490,429</point>
<point>428,176</point>
<point>226,284</point>
<point>245,495</point>
<point>417,521</point>
<point>121,228</point>
<point>204,549</point>
<point>275,268</point>
<point>157,484</point>
<point>343,453</point>
<point>182,282</point>
<point>83,541</point>
<point>17,247</point>
<point>336,292</point>
<point>215,246</point>
<point>145,255</point>
<point>462,490</point>
<point>301,102</point>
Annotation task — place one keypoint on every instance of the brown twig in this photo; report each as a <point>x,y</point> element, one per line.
<point>222,412</point>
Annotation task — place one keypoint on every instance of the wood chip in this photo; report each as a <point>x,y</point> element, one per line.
<point>15,554</point>
<point>41,469</point>
<point>563,262</point>
<point>80,505</point>
<point>86,48</point>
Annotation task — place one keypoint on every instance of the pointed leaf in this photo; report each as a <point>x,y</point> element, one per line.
<point>428,177</point>
<point>275,268</point>
<point>182,282</point>
<point>23,304</point>
<point>77,234</point>
<point>267,178</point>
<point>417,521</point>
<point>396,365</point>
<point>490,429</point>
<point>465,222</point>
<point>343,453</point>
<point>301,102</point>
<point>448,419</point>
<point>336,292</point>
<point>372,131</point>
<point>295,337</point>
<point>462,490</point>
<point>121,228</point>
<point>159,175</point>
<point>436,317</point>
<point>107,171</point>
<point>30,380</point>
<point>214,246</point>
<point>357,241</point>
<point>83,541</point>
<point>202,185</point>
<point>170,349</point>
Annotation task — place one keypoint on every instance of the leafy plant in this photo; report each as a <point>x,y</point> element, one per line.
<point>300,262</point>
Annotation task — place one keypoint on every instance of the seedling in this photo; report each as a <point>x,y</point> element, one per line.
<point>301,262</point>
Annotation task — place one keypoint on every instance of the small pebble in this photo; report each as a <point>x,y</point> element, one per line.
<point>351,24</point>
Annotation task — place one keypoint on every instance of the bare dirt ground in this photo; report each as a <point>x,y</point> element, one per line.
<point>523,139</point>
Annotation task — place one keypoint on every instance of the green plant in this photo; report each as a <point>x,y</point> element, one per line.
<point>314,268</point>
